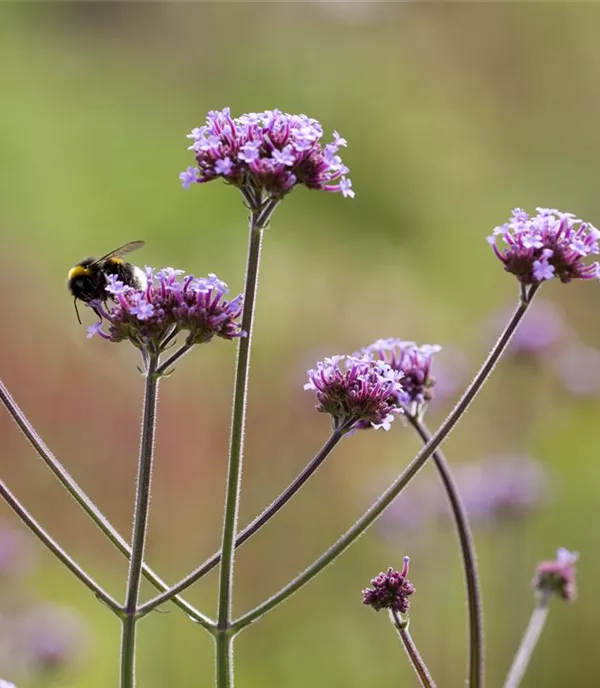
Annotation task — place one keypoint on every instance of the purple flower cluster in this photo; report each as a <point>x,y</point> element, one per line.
<point>414,362</point>
<point>169,303</point>
<point>390,590</point>
<point>547,245</point>
<point>357,391</point>
<point>6,684</point>
<point>271,151</point>
<point>557,576</point>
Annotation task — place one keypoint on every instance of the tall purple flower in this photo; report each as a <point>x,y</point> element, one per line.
<point>390,590</point>
<point>356,391</point>
<point>171,302</point>
<point>557,576</point>
<point>269,151</point>
<point>547,245</point>
<point>414,362</point>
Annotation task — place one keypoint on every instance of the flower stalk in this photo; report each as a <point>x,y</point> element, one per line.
<point>415,658</point>
<point>140,522</point>
<point>528,643</point>
<point>259,218</point>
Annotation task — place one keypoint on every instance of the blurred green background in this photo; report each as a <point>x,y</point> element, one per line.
<point>454,113</point>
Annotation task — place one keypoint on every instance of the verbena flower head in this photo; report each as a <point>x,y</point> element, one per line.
<point>171,302</point>
<point>6,684</point>
<point>390,590</point>
<point>356,390</point>
<point>547,245</point>
<point>557,576</point>
<point>414,362</point>
<point>269,151</point>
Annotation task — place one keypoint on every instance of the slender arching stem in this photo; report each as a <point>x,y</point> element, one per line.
<point>255,525</point>
<point>56,549</point>
<point>367,519</point>
<point>84,501</point>
<point>469,559</point>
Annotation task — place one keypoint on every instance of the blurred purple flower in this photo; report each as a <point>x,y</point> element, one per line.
<point>414,362</point>
<point>557,576</point>
<point>492,490</point>
<point>271,151</point>
<point>549,244</point>
<point>501,487</point>
<point>542,329</point>
<point>390,590</point>
<point>578,367</point>
<point>51,638</point>
<point>356,391</point>
<point>6,684</point>
<point>169,303</point>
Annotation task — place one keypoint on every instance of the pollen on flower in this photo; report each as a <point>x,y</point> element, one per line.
<point>356,391</point>
<point>269,151</point>
<point>550,244</point>
<point>170,302</point>
<point>557,576</point>
<point>414,362</point>
<point>390,590</point>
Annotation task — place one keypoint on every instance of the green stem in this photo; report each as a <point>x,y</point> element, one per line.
<point>224,660</point>
<point>236,446</point>
<point>140,522</point>
<point>84,501</point>
<point>467,547</point>
<point>56,549</point>
<point>528,643</point>
<point>252,527</point>
<point>411,650</point>
<point>367,519</point>
<point>259,218</point>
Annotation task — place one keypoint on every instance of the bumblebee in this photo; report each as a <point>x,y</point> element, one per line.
<point>87,280</point>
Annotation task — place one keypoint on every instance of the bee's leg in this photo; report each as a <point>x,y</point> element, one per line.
<point>77,310</point>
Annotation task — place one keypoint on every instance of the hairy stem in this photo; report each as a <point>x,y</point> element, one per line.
<point>140,522</point>
<point>371,515</point>
<point>254,526</point>
<point>259,218</point>
<point>469,559</point>
<point>84,501</point>
<point>411,650</point>
<point>528,643</point>
<point>56,549</point>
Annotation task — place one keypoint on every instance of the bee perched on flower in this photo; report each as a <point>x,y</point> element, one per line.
<point>270,151</point>
<point>170,303</point>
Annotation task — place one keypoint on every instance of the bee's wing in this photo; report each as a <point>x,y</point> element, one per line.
<point>121,251</point>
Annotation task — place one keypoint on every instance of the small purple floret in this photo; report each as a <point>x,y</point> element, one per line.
<point>357,391</point>
<point>557,576</point>
<point>547,245</point>
<point>270,151</point>
<point>390,590</point>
